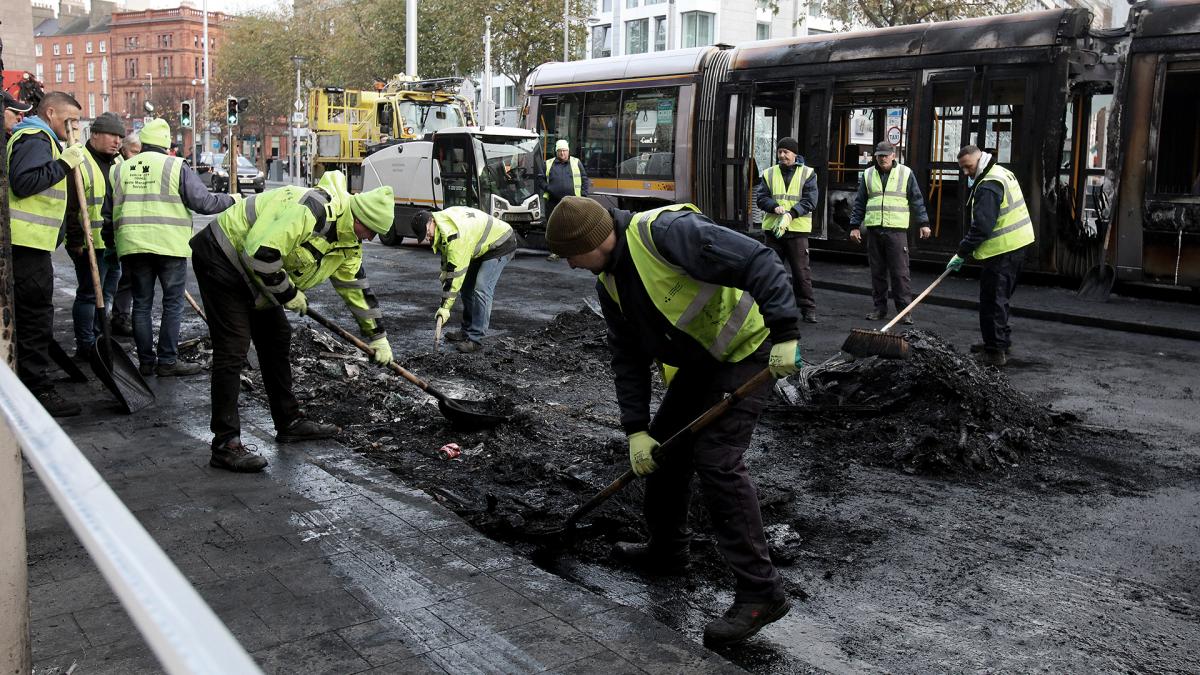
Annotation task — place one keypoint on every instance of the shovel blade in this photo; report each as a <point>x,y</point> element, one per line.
<point>1098,284</point>
<point>464,415</point>
<point>113,367</point>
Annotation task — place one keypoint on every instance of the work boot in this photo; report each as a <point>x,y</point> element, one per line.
<point>122,325</point>
<point>809,315</point>
<point>993,357</point>
<point>304,429</point>
<point>979,348</point>
<point>469,346</point>
<point>553,257</point>
<point>907,320</point>
<point>233,456</point>
<point>177,369</point>
<point>877,315</point>
<point>83,353</point>
<point>651,559</point>
<point>455,336</point>
<point>743,620</point>
<point>56,405</point>
<point>146,369</point>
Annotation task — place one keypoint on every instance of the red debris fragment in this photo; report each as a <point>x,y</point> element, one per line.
<point>450,451</point>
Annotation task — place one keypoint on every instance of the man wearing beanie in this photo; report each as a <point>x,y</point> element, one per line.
<point>257,259</point>
<point>713,307</point>
<point>148,218</point>
<point>565,176</point>
<point>103,151</point>
<point>787,195</point>
<point>474,247</point>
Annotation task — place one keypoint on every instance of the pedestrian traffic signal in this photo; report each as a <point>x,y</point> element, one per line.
<point>231,111</point>
<point>185,114</point>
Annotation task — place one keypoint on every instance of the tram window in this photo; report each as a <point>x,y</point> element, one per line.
<point>648,134</point>
<point>865,113</point>
<point>1006,101</point>
<point>559,120</point>
<point>773,105</point>
<point>1177,164</point>
<point>601,120</point>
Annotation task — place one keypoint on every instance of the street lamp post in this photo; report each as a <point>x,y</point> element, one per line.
<point>204,113</point>
<point>566,30</point>
<point>486,117</point>
<point>296,119</point>
<point>150,97</point>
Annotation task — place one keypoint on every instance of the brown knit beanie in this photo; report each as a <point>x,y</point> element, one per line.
<point>578,225</point>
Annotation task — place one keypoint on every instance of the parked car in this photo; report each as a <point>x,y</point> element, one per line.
<point>204,167</point>
<point>248,175</point>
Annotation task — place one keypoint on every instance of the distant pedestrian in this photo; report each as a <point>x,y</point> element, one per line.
<point>888,200</point>
<point>787,195</point>
<point>565,177</point>
<point>122,309</point>
<point>1000,232</point>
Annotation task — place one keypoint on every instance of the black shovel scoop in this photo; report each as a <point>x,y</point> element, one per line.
<point>461,414</point>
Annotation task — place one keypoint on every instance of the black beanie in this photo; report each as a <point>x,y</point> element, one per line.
<point>788,143</point>
<point>108,123</point>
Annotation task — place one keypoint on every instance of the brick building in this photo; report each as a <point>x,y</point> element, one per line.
<point>71,52</point>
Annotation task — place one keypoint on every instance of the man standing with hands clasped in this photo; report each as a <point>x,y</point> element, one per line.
<point>787,196</point>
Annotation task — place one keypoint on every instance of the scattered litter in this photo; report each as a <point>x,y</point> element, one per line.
<point>449,451</point>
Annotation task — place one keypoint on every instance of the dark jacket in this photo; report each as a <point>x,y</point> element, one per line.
<point>74,226</point>
<point>32,168</point>
<point>808,195</point>
<point>639,334</point>
<point>916,201</point>
<point>560,183</point>
<point>192,193</point>
<point>985,209</point>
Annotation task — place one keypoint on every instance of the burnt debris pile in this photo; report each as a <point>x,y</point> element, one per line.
<point>938,411</point>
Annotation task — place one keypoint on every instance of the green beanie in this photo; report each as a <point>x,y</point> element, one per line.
<point>374,208</point>
<point>156,132</point>
<point>577,225</point>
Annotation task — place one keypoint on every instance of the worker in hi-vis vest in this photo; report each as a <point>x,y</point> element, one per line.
<point>787,196</point>
<point>565,177</point>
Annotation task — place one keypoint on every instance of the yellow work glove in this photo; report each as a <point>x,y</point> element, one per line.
<point>641,457</point>
<point>785,358</point>
<point>298,304</point>
<point>383,351</point>
<point>443,314</point>
<point>782,226</point>
<point>73,155</point>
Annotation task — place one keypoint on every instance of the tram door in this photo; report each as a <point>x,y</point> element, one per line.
<point>773,111</point>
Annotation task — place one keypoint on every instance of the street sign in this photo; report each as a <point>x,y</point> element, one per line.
<point>216,145</point>
<point>214,128</point>
<point>299,132</point>
<point>894,135</point>
<point>297,117</point>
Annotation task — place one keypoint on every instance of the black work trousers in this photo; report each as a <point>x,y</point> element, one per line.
<point>714,455</point>
<point>33,297</point>
<point>887,254</point>
<point>997,283</point>
<point>233,322</point>
<point>793,251</point>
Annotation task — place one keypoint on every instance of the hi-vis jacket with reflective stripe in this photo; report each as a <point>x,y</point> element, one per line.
<point>293,238</point>
<point>887,205</point>
<point>684,291</point>
<point>37,219</point>
<point>576,177</point>
<point>787,195</point>
<point>1013,228</point>
<point>462,234</point>
<point>148,214</point>
<point>94,186</point>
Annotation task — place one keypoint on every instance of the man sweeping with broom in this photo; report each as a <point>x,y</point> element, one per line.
<point>718,306</point>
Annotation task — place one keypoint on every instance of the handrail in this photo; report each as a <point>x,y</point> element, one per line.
<point>181,629</point>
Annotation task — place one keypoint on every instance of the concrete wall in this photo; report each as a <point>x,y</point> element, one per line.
<point>16,31</point>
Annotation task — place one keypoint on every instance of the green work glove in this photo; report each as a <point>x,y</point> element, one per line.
<point>383,351</point>
<point>641,449</point>
<point>73,155</point>
<point>955,263</point>
<point>298,304</point>
<point>782,226</point>
<point>785,358</point>
<point>443,314</point>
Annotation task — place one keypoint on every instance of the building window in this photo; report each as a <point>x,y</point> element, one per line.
<point>37,49</point>
<point>104,70</point>
<point>131,103</point>
<point>164,66</point>
<point>37,70</point>
<point>70,48</point>
<point>697,29</point>
<point>196,40</point>
<point>70,72</point>
<point>88,47</point>
<point>814,9</point>
<point>653,2</point>
<point>131,69</point>
<point>630,4</point>
<point>601,41</point>
<point>165,41</point>
<point>660,33</point>
<point>637,38</point>
<point>58,72</point>
<point>131,42</point>
<point>55,49</point>
<point>605,5</point>
<point>103,46</point>
<point>510,96</point>
<point>92,105</point>
<point>196,66</point>
<point>91,71</point>
<point>764,30</point>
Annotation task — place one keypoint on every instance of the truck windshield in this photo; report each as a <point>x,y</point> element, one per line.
<point>511,166</point>
<point>425,118</point>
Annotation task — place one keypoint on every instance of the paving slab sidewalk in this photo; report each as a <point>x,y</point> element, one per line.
<point>324,563</point>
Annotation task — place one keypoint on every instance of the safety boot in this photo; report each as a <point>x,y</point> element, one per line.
<point>455,336</point>
<point>122,325</point>
<point>877,315</point>
<point>652,559</point>
<point>177,369</point>
<point>993,357</point>
<point>232,455</point>
<point>469,346</point>
<point>808,315</point>
<point>743,620</point>
<point>56,405</point>
<point>304,429</point>
<point>979,348</point>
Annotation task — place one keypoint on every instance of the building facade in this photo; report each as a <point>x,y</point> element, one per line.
<point>71,54</point>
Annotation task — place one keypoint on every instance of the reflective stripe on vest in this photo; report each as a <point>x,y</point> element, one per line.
<point>576,176</point>
<point>1014,228</point>
<point>36,220</point>
<point>93,186</point>
<point>887,205</point>
<point>724,320</point>
<point>148,213</point>
<point>787,196</point>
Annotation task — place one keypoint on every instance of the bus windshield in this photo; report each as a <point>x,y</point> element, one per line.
<point>511,166</point>
<point>422,117</point>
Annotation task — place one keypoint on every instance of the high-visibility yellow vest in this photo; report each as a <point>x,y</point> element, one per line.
<point>724,320</point>
<point>1014,229</point>
<point>576,176</point>
<point>36,220</point>
<point>786,195</point>
<point>887,205</point>
<point>93,187</point>
<point>148,213</point>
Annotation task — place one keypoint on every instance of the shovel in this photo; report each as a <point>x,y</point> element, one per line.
<point>1097,284</point>
<point>660,453</point>
<point>462,414</point>
<point>110,363</point>
<point>64,362</point>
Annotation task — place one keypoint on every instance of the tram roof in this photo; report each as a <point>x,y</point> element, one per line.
<point>630,66</point>
<point>1166,18</point>
<point>1011,31</point>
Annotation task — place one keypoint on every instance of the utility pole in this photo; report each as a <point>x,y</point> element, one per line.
<point>566,30</point>
<point>486,117</point>
<point>297,117</point>
<point>410,33</point>
<point>207,77</point>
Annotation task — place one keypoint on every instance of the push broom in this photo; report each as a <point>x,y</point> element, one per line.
<point>861,343</point>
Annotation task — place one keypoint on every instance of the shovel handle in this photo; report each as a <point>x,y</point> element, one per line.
<point>437,335</point>
<point>192,301</point>
<point>86,220</point>
<point>366,349</point>
<point>912,305</point>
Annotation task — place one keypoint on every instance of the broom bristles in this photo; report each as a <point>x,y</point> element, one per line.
<point>862,343</point>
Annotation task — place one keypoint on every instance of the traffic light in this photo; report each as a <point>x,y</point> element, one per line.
<point>185,114</point>
<point>231,111</point>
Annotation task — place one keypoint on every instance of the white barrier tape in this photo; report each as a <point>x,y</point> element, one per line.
<point>185,634</point>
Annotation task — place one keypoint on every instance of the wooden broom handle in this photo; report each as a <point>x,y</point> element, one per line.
<point>86,220</point>
<point>903,313</point>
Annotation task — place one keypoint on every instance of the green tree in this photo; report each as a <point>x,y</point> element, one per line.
<point>882,13</point>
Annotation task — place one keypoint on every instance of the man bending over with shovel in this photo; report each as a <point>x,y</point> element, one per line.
<point>718,306</point>
<point>258,258</point>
